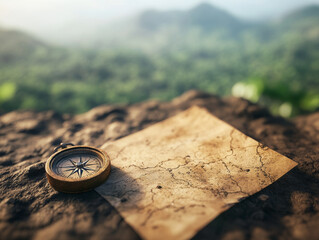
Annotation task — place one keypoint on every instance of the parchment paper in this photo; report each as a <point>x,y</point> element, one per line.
<point>172,178</point>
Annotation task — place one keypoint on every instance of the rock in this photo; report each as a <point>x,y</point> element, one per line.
<point>29,126</point>
<point>31,209</point>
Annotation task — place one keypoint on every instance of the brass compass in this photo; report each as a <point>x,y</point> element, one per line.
<point>74,169</point>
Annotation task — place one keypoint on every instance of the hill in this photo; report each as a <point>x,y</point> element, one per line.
<point>203,16</point>
<point>17,45</point>
<point>154,30</point>
<point>309,13</point>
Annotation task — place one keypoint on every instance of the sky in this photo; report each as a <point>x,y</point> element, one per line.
<point>40,15</point>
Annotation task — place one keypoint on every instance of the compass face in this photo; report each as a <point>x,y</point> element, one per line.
<point>77,169</point>
<point>77,165</point>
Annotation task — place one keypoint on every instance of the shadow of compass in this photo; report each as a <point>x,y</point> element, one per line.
<point>121,189</point>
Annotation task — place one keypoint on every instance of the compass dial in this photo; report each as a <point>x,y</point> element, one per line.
<point>77,166</point>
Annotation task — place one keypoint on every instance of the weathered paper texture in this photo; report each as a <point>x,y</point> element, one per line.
<point>171,179</point>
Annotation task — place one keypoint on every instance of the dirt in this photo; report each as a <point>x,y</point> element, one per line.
<point>31,209</point>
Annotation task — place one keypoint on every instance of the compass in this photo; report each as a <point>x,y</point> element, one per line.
<point>74,169</point>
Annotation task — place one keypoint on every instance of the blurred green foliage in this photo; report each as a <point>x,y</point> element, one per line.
<point>275,65</point>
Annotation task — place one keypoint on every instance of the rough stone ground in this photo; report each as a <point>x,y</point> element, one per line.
<point>31,209</point>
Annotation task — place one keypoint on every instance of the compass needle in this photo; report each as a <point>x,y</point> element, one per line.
<point>66,167</point>
<point>71,169</point>
<point>72,162</point>
<point>90,169</point>
<point>74,171</point>
<point>80,171</point>
<point>86,161</point>
<point>92,164</point>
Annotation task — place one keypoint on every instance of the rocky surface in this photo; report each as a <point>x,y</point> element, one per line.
<point>31,209</point>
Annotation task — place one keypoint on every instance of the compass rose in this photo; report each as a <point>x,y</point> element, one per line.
<point>78,167</point>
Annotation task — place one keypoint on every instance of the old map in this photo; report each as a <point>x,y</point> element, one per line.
<point>171,179</point>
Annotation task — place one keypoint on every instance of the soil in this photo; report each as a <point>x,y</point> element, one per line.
<point>31,209</point>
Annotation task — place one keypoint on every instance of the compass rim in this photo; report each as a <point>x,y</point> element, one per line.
<point>69,185</point>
